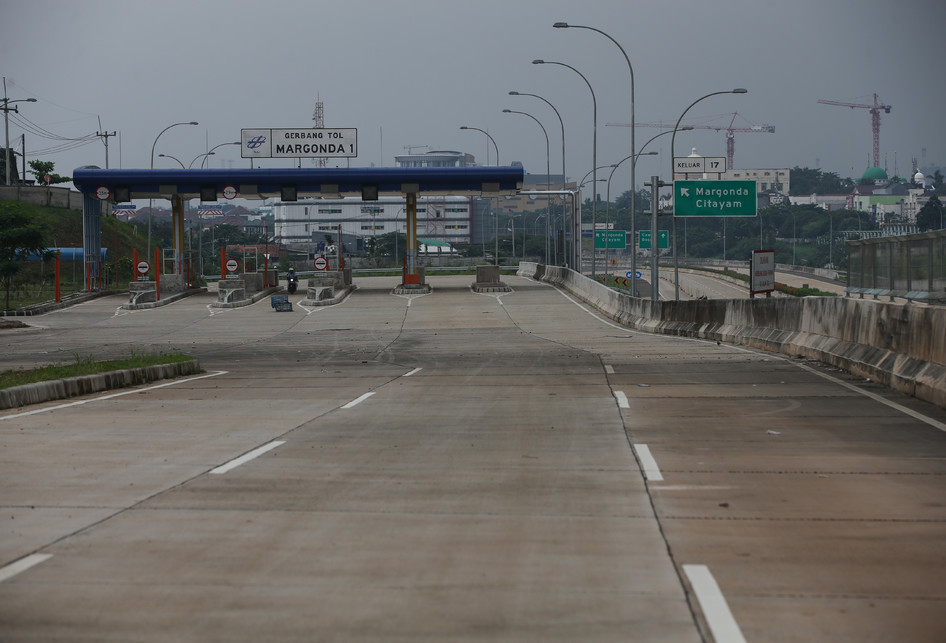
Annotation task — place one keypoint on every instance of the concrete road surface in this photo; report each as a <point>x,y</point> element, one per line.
<point>461,467</point>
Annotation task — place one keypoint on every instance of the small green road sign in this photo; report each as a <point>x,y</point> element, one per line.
<point>616,239</point>
<point>663,239</point>
<point>714,199</point>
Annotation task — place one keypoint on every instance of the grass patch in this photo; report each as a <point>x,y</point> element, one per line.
<point>85,366</point>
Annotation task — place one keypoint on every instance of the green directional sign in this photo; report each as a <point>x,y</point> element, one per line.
<point>615,239</point>
<point>663,239</point>
<point>714,199</point>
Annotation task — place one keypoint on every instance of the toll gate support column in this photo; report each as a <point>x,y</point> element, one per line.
<point>411,201</point>
<point>177,223</point>
<point>91,239</point>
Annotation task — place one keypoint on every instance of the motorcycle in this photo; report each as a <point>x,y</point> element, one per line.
<point>293,283</point>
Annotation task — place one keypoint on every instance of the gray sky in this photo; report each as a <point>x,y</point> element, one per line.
<point>411,72</point>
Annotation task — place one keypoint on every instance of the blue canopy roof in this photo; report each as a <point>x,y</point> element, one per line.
<point>260,183</point>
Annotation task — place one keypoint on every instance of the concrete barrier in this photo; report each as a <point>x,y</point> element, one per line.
<point>902,346</point>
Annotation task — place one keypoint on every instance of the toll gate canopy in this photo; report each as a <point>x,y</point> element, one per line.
<point>288,184</point>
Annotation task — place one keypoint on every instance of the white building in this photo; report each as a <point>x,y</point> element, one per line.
<point>303,224</point>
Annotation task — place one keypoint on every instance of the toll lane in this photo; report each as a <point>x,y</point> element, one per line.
<point>461,466</point>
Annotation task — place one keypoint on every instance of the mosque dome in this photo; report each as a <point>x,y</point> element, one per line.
<point>919,178</point>
<point>874,174</point>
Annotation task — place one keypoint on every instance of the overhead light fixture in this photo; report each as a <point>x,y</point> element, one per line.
<point>369,192</point>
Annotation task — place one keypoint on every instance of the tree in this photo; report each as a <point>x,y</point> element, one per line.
<point>42,169</point>
<point>19,238</point>
<point>930,216</point>
<point>807,181</point>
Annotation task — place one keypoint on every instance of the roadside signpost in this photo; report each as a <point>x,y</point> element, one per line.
<point>762,272</point>
<point>646,236</point>
<point>699,164</point>
<point>715,199</point>
<point>299,143</point>
<point>610,239</point>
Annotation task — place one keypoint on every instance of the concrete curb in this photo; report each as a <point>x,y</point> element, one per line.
<point>168,299</point>
<point>252,300</point>
<point>897,345</point>
<point>70,387</point>
<point>337,299</point>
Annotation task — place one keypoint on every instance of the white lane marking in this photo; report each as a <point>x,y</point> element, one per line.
<point>609,369</point>
<point>11,570</point>
<point>651,470</point>
<point>622,400</point>
<point>914,414</point>
<point>111,395</point>
<point>416,370</point>
<point>246,457</point>
<point>358,400</point>
<point>691,487</point>
<point>713,603</point>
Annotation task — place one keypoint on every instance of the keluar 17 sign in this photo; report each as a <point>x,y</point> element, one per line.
<point>299,143</point>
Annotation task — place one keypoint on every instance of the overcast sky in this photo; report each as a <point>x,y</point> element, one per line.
<point>411,72</point>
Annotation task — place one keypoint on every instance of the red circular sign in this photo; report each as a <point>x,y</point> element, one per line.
<point>143,267</point>
<point>321,263</point>
<point>101,193</point>
<point>232,265</point>
<point>229,192</point>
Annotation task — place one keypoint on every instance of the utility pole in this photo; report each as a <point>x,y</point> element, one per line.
<point>105,136</point>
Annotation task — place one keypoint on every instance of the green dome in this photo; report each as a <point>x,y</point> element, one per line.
<point>874,174</point>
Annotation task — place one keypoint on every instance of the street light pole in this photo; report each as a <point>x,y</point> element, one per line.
<point>153,145</point>
<point>562,123</point>
<point>676,266</point>
<point>211,151</point>
<point>496,239</point>
<point>565,25</point>
<point>594,161</point>
<point>168,156</point>
<point>6,126</point>
<point>607,216</point>
<point>548,180</point>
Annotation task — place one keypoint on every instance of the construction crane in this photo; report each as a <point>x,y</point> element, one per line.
<point>874,120</point>
<point>730,130</point>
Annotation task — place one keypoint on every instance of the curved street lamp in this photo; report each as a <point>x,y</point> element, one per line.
<point>594,161</point>
<point>496,231</point>
<point>204,155</point>
<point>562,123</point>
<point>676,265</point>
<point>565,25</point>
<point>490,138</point>
<point>211,151</point>
<point>548,178</point>
<point>153,145</point>
<point>607,216</point>
<point>168,156</point>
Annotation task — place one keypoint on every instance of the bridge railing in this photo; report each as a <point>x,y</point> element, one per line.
<point>911,266</point>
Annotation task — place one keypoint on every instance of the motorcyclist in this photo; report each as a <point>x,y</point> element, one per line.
<point>292,279</point>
